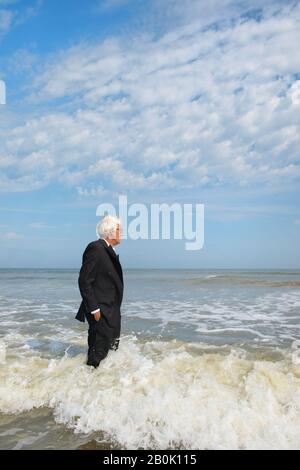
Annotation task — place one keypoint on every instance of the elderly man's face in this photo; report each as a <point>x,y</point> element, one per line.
<point>118,234</point>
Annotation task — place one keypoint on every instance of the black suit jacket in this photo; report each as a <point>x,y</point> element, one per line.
<point>100,282</point>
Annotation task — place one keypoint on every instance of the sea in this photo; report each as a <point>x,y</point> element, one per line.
<point>208,359</point>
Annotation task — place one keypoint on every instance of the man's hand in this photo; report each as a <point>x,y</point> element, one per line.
<point>97,315</point>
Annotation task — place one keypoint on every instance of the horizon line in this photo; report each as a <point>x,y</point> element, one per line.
<point>160,268</point>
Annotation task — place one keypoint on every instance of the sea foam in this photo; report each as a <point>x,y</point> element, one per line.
<point>164,394</point>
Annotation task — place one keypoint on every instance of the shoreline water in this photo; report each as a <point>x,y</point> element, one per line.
<point>201,364</point>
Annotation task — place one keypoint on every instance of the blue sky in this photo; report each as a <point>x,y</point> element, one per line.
<point>183,101</point>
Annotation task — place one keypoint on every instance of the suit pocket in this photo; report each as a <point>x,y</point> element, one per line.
<point>106,307</point>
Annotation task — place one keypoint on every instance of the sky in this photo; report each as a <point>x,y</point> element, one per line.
<point>161,101</point>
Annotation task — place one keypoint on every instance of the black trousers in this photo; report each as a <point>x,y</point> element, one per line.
<point>101,338</point>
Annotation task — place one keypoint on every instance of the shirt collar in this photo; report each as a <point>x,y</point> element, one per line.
<point>108,244</point>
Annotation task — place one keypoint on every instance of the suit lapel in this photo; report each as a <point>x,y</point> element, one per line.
<point>115,260</point>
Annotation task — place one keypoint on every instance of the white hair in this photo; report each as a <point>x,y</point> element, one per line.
<point>107,226</point>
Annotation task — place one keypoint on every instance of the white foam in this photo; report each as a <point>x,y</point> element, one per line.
<point>271,316</point>
<point>164,394</point>
<point>2,352</point>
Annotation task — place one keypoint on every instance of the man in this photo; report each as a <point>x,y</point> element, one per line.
<point>101,287</point>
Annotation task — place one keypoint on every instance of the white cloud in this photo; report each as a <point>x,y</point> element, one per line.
<point>6,20</point>
<point>10,18</point>
<point>11,235</point>
<point>109,5</point>
<point>196,107</point>
<point>22,60</point>
<point>29,12</point>
<point>91,192</point>
<point>39,225</point>
<point>44,225</point>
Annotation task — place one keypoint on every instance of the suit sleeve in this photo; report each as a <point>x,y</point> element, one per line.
<point>87,276</point>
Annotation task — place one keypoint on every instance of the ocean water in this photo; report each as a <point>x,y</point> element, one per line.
<point>208,359</point>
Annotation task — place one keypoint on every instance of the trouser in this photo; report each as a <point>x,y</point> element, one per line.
<point>101,338</point>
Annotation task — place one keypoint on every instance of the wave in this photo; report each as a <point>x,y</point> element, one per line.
<point>272,317</point>
<point>240,281</point>
<point>165,394</point>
